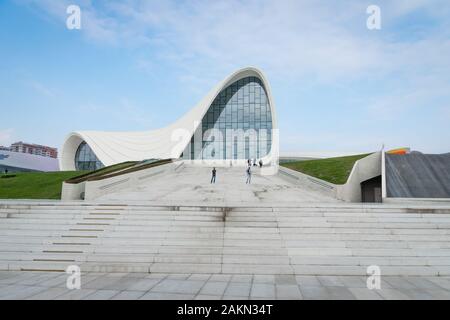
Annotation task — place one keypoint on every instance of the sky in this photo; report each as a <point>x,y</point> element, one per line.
<point>339,88</point>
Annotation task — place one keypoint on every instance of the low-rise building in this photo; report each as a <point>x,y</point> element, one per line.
<point>35,149</point>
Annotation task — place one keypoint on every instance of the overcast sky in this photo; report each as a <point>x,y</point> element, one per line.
<point>138,65</point>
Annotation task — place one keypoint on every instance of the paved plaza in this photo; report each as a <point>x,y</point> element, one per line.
<point>192,184</point>
<point>118,286</point>
<point>179,237</point>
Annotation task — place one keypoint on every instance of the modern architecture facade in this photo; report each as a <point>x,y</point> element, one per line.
<point>237,125</point>
<point>234,122</point>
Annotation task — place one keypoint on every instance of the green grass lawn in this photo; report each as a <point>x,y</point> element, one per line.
<point>334,170</point>
<point>34,185</point>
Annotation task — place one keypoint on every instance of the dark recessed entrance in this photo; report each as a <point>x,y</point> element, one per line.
<point>371,190</point>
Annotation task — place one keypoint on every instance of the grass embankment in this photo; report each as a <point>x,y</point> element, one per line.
<point>334,170</point>
<point>34,185</point>
<point>48,185</point>
<point>101,172</point>
<point>117,169</point>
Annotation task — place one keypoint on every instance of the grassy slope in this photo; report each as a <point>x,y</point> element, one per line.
<point>35,185</point>
<point>84,175</point>
<point>47,185</point>
<point>334,170</point>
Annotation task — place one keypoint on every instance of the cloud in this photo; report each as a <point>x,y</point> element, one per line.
<point>410,95</point>
<point>316,44</point>
<point>42,89</point>
<point>288,38</point>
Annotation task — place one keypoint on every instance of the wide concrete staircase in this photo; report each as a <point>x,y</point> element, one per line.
<point>309,239</point>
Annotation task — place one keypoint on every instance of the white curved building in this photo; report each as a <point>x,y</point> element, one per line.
<point>235,121</point>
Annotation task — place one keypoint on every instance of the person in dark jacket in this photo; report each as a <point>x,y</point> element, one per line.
<point>249,175</point>
<point>213,177</point>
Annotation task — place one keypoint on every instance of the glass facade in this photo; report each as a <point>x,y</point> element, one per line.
<point>238,124</point>
<point>85,158</point>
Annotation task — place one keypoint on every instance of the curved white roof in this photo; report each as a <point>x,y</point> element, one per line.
<point>115,147</point>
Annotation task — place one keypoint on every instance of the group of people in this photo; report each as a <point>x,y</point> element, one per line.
<point>248,171</point>
<point>252,162</point>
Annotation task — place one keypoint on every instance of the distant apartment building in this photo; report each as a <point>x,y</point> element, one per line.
<point>35,149</point>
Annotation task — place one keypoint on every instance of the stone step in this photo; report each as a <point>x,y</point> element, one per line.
<point>232,215</point>
<point>432,235</point>
<point>77,258</point>
<point>62,266</point>
<point>306,248</point>
<point>227,239</point>
<point>329,210</point>
<point>227,259</point>
<point>230,227</point>
<point>136,214</point>
<point>228,269</point>
<point>334,239</point>
<point>367,261</point>
<point>332,220</point>
<point>52,216</point>
<point>160,267</point>
<point>256,269</point>
<point>15,265</point>
<point>172,206</point>
<point>331,213</point>
<point>285,231</point>
<point>353,231</point>
<point>362,225</point>
<point>149,236</point>
<point>232,236</point>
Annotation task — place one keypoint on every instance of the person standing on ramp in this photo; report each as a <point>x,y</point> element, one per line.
<point>249,175</point>
<point>213,177</point>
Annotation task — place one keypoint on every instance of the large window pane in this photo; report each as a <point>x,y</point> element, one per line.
<point>85,158</point>
<point>242,105</point>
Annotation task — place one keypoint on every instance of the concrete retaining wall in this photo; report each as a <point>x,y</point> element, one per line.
<point>363,169</point>
<point>313,183</point>
<point>73,191</point>
<point>95,189</point>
